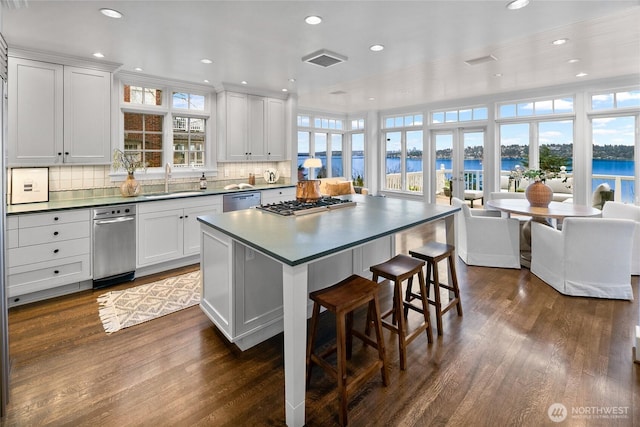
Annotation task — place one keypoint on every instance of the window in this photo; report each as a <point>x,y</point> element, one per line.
<point>326,146</point>
<point>462,115</point>
<point>357,158</point>
<point>173,131</point>
<point>188,141</point>
<point>534,108</point>
<point>613,155</point>
<point>188,101</point>
<point>403,121</point>
<point>143,137</point>
<point>142,95</point>
<point>613,100</point>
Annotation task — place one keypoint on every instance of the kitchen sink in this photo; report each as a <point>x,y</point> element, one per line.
<point>171,195</point>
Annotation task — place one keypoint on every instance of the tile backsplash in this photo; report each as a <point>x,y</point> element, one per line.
<point>74,182</point>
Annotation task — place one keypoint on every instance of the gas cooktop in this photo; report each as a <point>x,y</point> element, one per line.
<point>294,207</point>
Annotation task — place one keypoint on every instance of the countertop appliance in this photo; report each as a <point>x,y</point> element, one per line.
<point>238,201</point>
<point>114,245</point>
<point>297,207</point>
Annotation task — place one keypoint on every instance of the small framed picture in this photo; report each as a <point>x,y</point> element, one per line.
<point>29,185</point>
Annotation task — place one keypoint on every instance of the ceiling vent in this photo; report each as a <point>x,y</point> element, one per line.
<point>481,60</point>
<point>324,58</point>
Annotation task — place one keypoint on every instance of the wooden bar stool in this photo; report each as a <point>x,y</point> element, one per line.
<point>398,269</point>
<point>342,299</point>
<point>432,253</point>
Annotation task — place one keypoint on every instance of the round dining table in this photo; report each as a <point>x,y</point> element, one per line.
<point>556,211</point>
<point>551,215</point>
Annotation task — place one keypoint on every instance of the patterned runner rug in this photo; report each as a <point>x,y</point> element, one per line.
<point>121,309</point>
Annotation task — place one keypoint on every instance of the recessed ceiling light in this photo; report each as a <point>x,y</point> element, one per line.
<point>372,99</point>
<point>573,60</point>
<point>285,89</point>
<point>581,74</point>
<point>558,42</point>
<point>376,48</point>
<point>206,81</point>
<point>111,13</point>
<point>292,80</point>
<point>313,20</point>
<point>206,61</point>
<point>244,82</point>
<point>98,55</point>
<point>517,4</point>
<point>138,69</point>
<point>498,75</point>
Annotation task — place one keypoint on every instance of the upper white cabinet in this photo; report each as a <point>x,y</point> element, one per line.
<point>58,114</point>
<point>250,128</point>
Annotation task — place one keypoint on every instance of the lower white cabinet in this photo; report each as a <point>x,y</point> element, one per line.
<point>278,195</point>
<point>169,230</point>
<point>242,288</point>
<point>47,251</point>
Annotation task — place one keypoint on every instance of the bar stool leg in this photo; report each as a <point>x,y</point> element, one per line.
<point>425,305</point>
<point>438,304</point>
<point>342,369</point>
<point>402,326</point>
<point>374,308</point>
<point>454,280</point>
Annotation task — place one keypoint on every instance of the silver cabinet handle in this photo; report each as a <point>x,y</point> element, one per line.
<point>115,220</point>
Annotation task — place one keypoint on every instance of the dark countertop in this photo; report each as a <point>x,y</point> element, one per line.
<point>295,240</point>
<point>119,200</point>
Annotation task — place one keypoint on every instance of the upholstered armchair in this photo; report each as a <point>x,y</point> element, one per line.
<point>484,238</point>
<point>632,212</point>
<point>589,257</point>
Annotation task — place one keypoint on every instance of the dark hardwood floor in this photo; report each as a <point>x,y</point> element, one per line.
<point>519,348</point>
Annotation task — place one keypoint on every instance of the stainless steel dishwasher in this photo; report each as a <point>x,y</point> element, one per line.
<point>114,245</point>
<point>238,201</point>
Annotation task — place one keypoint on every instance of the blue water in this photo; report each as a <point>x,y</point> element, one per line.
<point>600,167</point>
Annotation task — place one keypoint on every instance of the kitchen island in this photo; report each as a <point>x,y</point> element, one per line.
<point>258,269</point>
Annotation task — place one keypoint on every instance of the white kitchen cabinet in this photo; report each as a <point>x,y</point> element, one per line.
<point>47,251</point>
<point>87,116</point>
<point>250,128</point>
<point>169,230</point>
<point>275,130</point>
<point>58,114</point>
<point>35,112</point>
<point>277,195</point>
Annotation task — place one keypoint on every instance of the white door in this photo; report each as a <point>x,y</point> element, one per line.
<point>458,162</point>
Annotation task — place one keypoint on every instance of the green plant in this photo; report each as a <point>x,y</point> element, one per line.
<point>358,181</point>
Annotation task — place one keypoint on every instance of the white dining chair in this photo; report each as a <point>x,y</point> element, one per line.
<point>632,212</point>
<point>589,257</point>
<point>485,239</point>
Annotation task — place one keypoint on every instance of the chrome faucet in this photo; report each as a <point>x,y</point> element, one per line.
<point>167,175</point>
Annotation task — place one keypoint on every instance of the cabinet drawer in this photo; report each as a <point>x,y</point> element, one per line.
<point>58,217</point>
<point>30,278</point>
<point>53,233</point>
<point>48,252</point>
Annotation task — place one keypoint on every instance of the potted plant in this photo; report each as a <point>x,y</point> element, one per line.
<point>129,161</point>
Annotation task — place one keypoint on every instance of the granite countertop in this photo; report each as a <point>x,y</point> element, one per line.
<point>295,240</point>
<point>119,200</point>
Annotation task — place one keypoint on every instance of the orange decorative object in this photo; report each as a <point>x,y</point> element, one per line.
<point>308,191</point>
<point>539,194</point>
<point>130,187</point>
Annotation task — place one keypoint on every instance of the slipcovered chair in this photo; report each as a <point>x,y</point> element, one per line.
<point>484,238</point>
<point>632,212</point>
<point>589,257</point>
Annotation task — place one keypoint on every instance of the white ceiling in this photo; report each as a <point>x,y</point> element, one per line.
<point>263,42</point>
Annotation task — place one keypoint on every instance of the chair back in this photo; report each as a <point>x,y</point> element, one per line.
<point>597,253</point>
<point>632,212</point>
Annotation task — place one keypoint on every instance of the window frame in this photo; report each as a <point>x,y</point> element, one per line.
<point>169,112</point>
